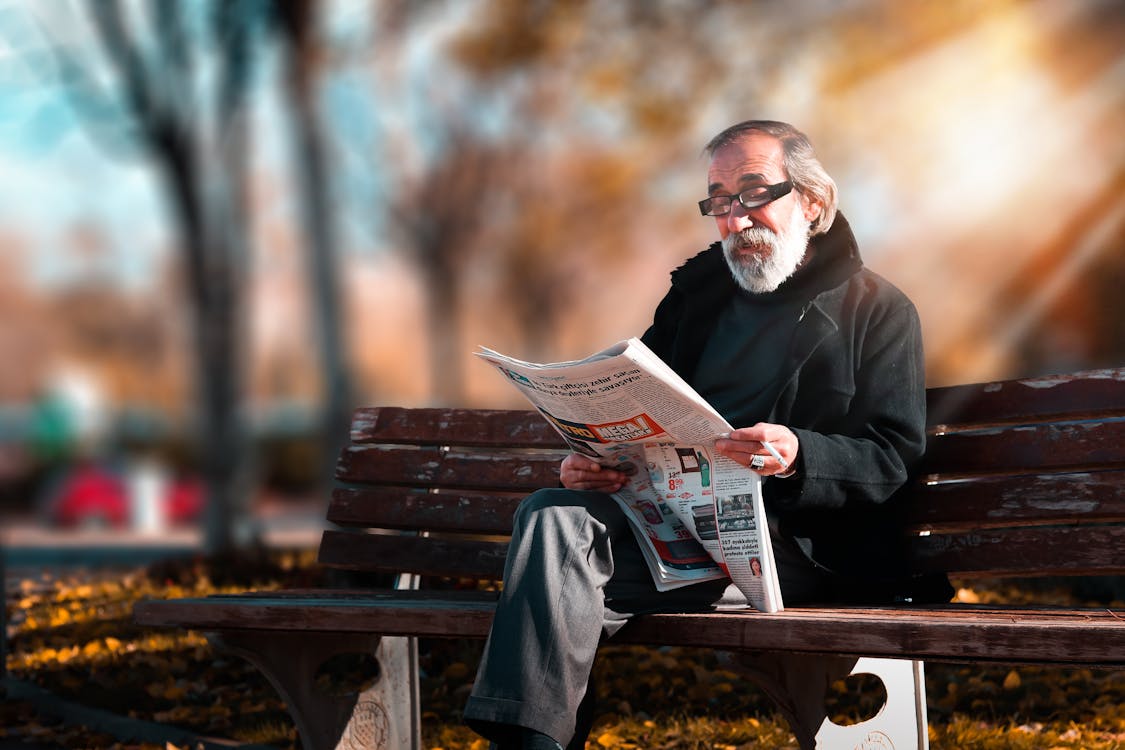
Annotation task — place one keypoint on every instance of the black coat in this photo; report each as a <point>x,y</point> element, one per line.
<point>854,394</point>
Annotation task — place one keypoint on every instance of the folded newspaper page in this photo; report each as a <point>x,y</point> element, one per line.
<point>697,515</point>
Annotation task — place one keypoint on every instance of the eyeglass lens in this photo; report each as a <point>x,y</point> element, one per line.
<point>753,197</point>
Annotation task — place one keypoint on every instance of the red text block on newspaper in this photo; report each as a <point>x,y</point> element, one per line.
<point>638,427</point>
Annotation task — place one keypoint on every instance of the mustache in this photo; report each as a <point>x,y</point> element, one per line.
<point>751,237</point>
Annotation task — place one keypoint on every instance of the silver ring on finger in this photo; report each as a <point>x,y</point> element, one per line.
<point>757,461</point>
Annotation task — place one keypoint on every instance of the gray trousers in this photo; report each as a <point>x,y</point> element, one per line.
<point>574,574</point>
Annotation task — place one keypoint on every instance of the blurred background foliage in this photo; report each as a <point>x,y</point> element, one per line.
<point>226,224</point>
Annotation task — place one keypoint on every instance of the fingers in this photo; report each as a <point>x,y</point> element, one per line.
<point>758,460</point>
<point>582,473</point>
<point>750,454</point>
<point>751,447</point>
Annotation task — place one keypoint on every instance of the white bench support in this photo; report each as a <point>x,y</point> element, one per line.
<point>798,684</point>
<point>387,715</point>
<point>901,724</point>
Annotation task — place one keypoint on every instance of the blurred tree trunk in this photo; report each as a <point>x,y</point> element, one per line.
<point>443,324</point>
<point>440,213</point>
<point>296,23</point>
<point>203,163</point>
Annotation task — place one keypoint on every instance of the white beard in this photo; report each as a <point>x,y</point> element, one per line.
<point>783,254</point>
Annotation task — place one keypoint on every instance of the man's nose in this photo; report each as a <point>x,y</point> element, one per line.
<point>739,218</point>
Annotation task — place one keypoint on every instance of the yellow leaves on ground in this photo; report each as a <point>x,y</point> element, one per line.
<point>457,671</point>
<point>964,732</point>
<point>61,602</point>
<point>168,691</point>
<point>184,714</point>
<point>988,591</point>
<point>75,637</point>
<point>966,596</point>
<point>469,744</point>
<point>104,646</point>
<point>609,739</point>
<point>101,650</point>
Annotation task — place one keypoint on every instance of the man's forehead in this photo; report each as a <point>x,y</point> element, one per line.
<point>756,157</point>
<point>718,181</point>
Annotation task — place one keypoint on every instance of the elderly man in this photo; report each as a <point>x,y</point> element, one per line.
<point>782,329</point>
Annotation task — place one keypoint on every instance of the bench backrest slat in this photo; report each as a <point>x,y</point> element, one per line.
<point>1003,501</point>
<point>1027,448</point>
<point>483,428</point>
<point>425,555</point>
<point>455,469</point>
<point>410,509</point>
<point>1089,394</point>
<point>1024,552</point>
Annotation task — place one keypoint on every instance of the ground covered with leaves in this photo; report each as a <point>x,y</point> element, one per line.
<point>74,636</point>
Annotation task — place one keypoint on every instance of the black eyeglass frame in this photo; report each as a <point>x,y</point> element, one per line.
<point>772,193</point>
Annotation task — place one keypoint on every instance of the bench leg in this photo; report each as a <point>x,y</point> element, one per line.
<point>798,683</point>
<point>385,716</point>
<point>901,723</point>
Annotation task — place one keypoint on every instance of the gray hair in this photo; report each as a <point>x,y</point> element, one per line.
<point>801,165</point>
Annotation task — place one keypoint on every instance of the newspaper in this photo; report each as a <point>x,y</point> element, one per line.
<point>697,515</point>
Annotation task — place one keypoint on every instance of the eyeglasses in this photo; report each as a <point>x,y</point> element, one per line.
<point>755,197</point>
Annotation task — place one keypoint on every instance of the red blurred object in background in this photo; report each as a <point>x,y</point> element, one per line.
<point>92,496</point>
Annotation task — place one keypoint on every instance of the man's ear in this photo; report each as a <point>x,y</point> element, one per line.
<point>811,208</point>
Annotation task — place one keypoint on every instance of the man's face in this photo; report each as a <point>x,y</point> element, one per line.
<point>765,245</point>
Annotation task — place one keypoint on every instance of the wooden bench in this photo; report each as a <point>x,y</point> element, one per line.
<point>1021,478</point>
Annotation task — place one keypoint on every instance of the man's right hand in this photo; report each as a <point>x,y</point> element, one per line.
<point>583,473</point>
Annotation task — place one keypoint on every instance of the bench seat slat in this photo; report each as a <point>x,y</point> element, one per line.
<point>1023,552</point>
<point>457,558</point>
<point>1092,393</point>
<point>432,467</point>
<point>469,427</point>
<point>990,502</point>
<point>992,634</point>
<point>402,508</point>
<point>1030,449</point>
